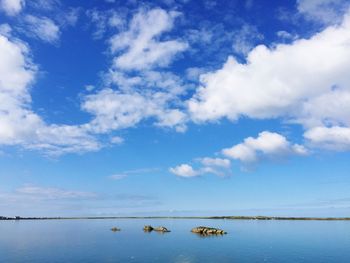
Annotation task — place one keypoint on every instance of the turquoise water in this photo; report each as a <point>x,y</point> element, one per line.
<point>246,241</point>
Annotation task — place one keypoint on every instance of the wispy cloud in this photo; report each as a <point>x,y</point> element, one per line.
<point>42,28</point>
<point>324,11</point>
<point>140,46</point>
<point>124,174</point>
<point>34,200</point>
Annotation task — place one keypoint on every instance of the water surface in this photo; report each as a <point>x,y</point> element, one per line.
<point>246,241</point>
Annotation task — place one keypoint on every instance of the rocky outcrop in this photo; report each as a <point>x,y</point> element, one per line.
<point>203,230</point>
<point>147,228</point>
<point>115,229</point>
<point>161,229</point>
<point>158,229</point>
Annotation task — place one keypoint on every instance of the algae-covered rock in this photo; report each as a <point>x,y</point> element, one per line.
<point>203,230</point>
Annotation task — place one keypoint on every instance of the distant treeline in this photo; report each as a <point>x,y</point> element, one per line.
<point>180,217</point>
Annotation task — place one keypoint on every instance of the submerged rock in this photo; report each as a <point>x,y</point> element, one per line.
<point>147,228</point>
<point>203,230</point>
<point>115,229</point>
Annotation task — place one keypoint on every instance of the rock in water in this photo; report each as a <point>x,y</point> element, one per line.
<point>203,230</point>
<point>161,229</point>
<point>115,229</point>
<point>147,228</point>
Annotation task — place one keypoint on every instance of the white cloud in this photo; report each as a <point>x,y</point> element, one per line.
<point>62,139</point>
<point>329,108</point>
<point>267,144</point>
<point>219,162</point>
<point>12,7</point>
<point>16,74</point>
<point>140,46</point>
<point>304,82</point>
<point>19,125</point>
<point>114,110</point>
<point>148,95</point>
<point>184,170</point>
<point>332,138</point>
<point>217,166</point>
<point>155,97</point>
<point>325,11</point>
<point>275,82</point>
<point>42,28</point>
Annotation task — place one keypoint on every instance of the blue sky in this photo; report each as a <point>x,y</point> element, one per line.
<point>174,107</point>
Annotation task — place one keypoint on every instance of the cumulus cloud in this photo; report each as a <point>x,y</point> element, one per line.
<point>267,144</point>
<point>275,81</point>
<point>12,7</point>
<point>140,46</point>
<point>330,138</point>
<point>19,125</point>
<point>16,74</point>
<point>184,170</point>
<point>42,28</point>
<point>216,166</point>
<point>304,82</point>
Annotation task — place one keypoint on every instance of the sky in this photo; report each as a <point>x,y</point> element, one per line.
<point>174,107</point>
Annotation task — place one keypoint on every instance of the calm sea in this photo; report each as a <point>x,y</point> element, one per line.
<point>246,241</point>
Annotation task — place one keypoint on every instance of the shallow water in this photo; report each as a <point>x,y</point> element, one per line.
<point>246,241</point>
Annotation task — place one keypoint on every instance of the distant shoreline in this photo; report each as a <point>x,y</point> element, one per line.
<point>182,217</point>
